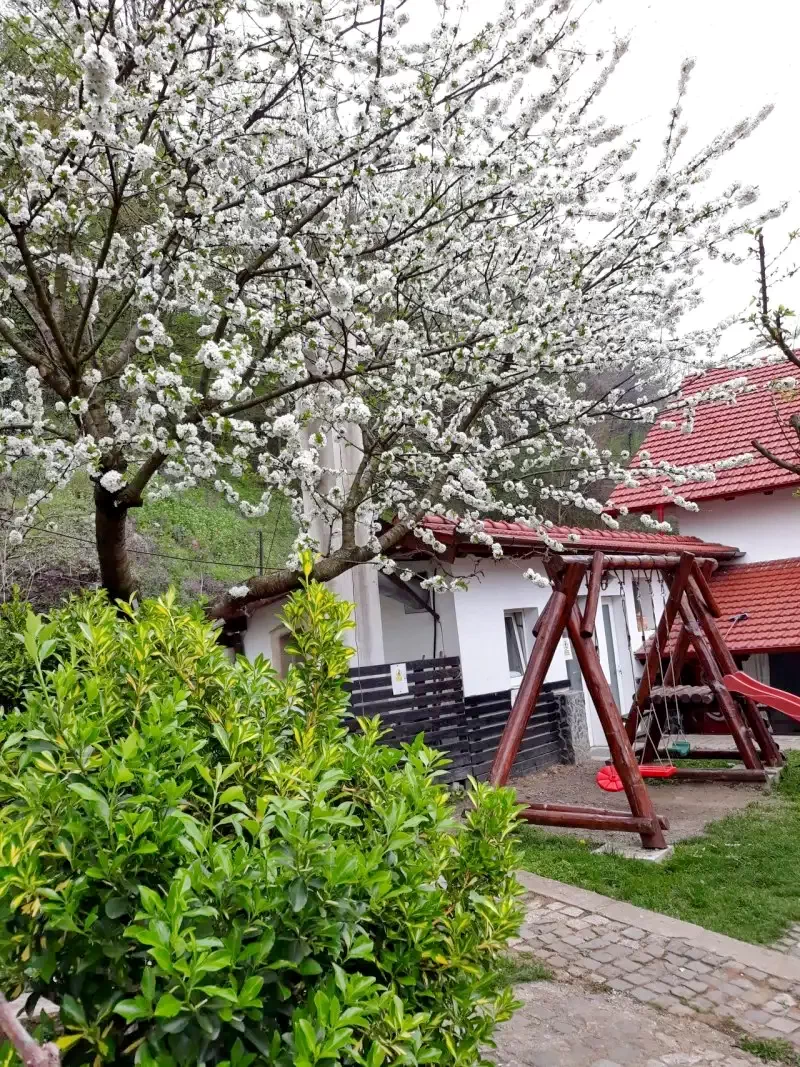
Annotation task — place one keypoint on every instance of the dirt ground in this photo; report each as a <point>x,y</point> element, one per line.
<point>688,806</point>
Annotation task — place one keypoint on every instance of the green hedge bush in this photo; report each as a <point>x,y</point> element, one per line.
<point>16,669</point>
<point>201,864</point>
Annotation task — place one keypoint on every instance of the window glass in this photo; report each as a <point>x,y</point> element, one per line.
<point>519,637</point>
<point>643,601</point>
<point>516,650</point>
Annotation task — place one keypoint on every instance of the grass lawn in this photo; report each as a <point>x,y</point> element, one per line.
<point>198,525</point>
<point>742,878</point>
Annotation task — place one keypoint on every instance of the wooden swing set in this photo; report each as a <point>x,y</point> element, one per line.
<point>634,756</point>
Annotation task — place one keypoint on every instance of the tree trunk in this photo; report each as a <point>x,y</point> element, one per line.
<point>110,526</point>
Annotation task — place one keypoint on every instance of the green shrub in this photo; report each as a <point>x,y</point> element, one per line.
<point>201,864</point>
<point>16,668</point>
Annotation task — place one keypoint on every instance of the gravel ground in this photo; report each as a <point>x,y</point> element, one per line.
<point>563,1025</point>
<point>689,806</point>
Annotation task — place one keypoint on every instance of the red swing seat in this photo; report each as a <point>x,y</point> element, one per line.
<point>608,777</point>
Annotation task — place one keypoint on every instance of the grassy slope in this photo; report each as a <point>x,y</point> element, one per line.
<point>201,526</point>
<point>742,878</point>
<point>198,525</point>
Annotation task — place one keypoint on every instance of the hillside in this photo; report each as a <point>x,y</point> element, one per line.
<point>195,542</point>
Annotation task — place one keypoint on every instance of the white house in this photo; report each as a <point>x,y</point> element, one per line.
<point>754,507</point>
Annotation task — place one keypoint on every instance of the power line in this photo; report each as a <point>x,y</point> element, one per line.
<point>162,555</point>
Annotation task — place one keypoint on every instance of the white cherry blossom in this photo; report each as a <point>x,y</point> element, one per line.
<point>376,274</point>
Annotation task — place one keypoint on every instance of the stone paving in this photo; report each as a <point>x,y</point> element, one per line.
<point>566,1025</point>
<point>668,973</point>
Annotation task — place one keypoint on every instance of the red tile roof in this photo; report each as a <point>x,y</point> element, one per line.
<point>721,432</point>
<point>519,535</point>
<point>767,592</point>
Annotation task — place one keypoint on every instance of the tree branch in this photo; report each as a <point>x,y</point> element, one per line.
<point>30,1052</point>
<point>131,496</point>
<point>793,467</point>
<point>41,296</point>
<point>762,272</point>
<point>283,581</point>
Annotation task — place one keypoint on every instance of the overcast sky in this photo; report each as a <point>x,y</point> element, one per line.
<point>746,56</point>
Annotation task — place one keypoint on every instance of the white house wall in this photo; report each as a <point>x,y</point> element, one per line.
<point>258,637</point>
<point>498,587</point>
<point>358,585</point>
<point>764,526</point>
<point>410,636</point>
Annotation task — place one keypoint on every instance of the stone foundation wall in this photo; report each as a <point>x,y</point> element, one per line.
<point>574,729</point>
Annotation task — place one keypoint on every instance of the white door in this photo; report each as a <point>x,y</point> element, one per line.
<point>614,659</point>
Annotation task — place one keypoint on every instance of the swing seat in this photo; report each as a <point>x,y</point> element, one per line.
<point>679,749</point>
<point>608,777</point>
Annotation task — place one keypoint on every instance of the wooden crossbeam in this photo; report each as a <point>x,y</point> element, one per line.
<point>584,820</point>
<point>583,809</point>
<point>719,774</point>
<point>639,563</point>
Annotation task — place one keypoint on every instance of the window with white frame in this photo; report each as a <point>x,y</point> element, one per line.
<point>519,638</point>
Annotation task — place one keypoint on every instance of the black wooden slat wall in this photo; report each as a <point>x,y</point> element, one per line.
<point>467,730</point>
<point>542,745</point>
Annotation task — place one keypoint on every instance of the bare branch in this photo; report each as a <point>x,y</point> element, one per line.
<point>785,464</point>
<point>30,1052</point>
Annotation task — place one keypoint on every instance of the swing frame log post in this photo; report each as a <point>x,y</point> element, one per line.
<point>742,735</point>
<point>562,599</point>
<point>647,822</point>
<point>592,595</point>
<point>652,665</point>
<point>702,590</point>
<point>768,748</point>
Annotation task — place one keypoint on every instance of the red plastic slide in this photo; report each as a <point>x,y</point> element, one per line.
<point>779,699</point>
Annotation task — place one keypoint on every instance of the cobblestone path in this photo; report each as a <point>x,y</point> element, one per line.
<point>678,975</point>
<point>566,1025</point>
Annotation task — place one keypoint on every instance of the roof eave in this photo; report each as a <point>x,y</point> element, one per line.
<point>723,494</point>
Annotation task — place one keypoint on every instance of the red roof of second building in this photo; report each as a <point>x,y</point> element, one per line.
<point>721,432</point>
<point>767,592</point>
<point>631,542</point>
